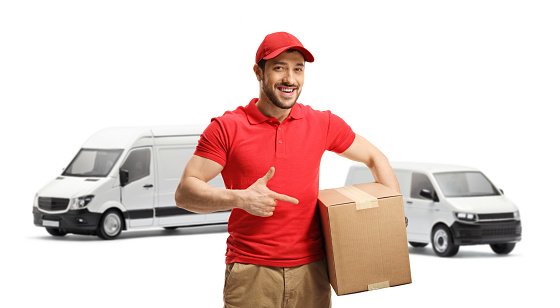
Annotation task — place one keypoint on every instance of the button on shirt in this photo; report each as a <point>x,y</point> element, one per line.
<point>247,143</point>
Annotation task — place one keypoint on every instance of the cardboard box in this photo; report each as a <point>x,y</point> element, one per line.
<point>365,237</point>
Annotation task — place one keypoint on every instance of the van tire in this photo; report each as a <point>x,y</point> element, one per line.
<point>56,231</point>
<point>418,245</point>
<point>110,225</point>
<point>502,248</point>
<point>442,242</point>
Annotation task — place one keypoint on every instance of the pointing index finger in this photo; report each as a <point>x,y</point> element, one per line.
<point>285,198</point>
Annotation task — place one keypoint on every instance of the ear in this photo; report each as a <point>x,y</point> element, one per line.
<point>258,72</point>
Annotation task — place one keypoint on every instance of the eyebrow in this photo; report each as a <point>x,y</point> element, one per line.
<point>285,63</point>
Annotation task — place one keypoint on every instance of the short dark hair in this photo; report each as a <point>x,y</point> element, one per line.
<point>262,62</point>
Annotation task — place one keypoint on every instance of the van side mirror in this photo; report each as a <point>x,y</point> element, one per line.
<point>123,177</point>
<point>426,193</point>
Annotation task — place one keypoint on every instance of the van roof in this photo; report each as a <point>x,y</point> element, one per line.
<point>429,167</point>
<point>124,137</point>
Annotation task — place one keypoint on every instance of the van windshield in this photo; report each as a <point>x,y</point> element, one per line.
<point>93,163</point>
<point>465,184</point>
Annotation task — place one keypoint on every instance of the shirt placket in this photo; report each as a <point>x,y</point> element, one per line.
<point>281,139</point>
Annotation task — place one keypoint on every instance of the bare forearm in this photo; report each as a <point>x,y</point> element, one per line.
<point>198,196</point>
<point>383,172</point>
<point>363,151</point>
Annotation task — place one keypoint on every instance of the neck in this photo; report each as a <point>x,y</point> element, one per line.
<point>270,110</point>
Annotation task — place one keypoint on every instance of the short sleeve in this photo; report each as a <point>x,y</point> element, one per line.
<point>213,143</point>
<point>340,135</point>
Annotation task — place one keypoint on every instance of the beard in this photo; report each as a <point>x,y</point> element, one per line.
<point>276,99</point>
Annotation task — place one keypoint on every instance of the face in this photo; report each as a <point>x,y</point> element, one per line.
<point>282,80</point>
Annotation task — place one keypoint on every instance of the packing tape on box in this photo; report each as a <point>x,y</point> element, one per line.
<point>363,199</point>
<point>378,285</point>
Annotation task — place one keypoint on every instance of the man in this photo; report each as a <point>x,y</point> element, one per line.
<point>269,154</point>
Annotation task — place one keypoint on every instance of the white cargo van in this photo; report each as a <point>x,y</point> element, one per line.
<point>122,179</point>
<point>449,206</point>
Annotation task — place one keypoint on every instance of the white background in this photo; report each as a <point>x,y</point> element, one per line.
<point>466,82</point>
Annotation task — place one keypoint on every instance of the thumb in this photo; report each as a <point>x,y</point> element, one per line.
<point>268,175</point>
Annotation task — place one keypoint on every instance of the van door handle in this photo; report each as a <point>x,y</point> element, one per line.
<point>409,202</point>
<point>148,186</point>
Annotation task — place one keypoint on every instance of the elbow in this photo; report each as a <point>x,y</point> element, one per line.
<point>379,160</point>
<point>178,198</point>
<point>370,163</point>
<point>181,198</point>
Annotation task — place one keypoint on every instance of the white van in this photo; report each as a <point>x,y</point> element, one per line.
<point>449,206</point>
<point>123,179</point>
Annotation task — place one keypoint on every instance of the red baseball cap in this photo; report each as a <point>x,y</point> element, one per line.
<point>276,43</point>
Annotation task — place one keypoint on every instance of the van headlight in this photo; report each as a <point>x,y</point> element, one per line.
<point>466,216</point>
<point>516,215</point>
<point>36,200</point>
<point>80,202</point>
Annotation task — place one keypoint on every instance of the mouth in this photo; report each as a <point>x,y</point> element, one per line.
<point>286,91</point>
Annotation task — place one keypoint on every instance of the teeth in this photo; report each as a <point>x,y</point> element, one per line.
<point>286,90</point>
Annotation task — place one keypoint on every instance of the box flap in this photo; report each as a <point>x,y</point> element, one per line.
<point>332,197</point>
<point>377,190</point>
<point>363,199</point>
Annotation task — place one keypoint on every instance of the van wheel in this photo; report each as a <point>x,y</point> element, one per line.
<point>418,245</point>
<point>502,248</point>
<point>442,242</point>
<point>110,225</point>
<point>56,232</point>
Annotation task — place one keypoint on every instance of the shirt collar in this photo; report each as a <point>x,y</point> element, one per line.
<point>255,116</point>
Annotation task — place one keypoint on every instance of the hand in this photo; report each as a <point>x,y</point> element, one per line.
<point>258,200</point>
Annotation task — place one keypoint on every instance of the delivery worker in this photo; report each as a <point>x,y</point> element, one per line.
<point>269,153</point>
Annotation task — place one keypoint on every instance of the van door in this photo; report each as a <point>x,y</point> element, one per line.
<point>138,194</point>
<point>171,161</point>
<point>421,211</point>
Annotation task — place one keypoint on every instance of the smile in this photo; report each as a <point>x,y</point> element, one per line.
<point>286,90</point>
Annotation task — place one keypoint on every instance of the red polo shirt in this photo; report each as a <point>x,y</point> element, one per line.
<point>247,143</point>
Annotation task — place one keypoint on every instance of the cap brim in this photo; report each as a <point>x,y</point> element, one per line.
<point>306,54</point>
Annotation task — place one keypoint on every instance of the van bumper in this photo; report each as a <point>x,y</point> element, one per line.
<point>74,221</point>
<point>486,232</point>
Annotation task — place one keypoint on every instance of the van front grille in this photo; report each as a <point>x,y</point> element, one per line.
<point>495,216</point>
<point>53,204</point>
<point>490,230</point>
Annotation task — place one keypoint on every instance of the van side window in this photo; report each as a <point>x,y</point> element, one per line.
<point>420,181</point>
<point>138,164</point>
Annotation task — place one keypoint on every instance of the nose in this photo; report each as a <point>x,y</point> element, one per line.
<point>288,78</point>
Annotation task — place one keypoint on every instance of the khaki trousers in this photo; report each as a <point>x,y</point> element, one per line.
<point>256,286</point>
